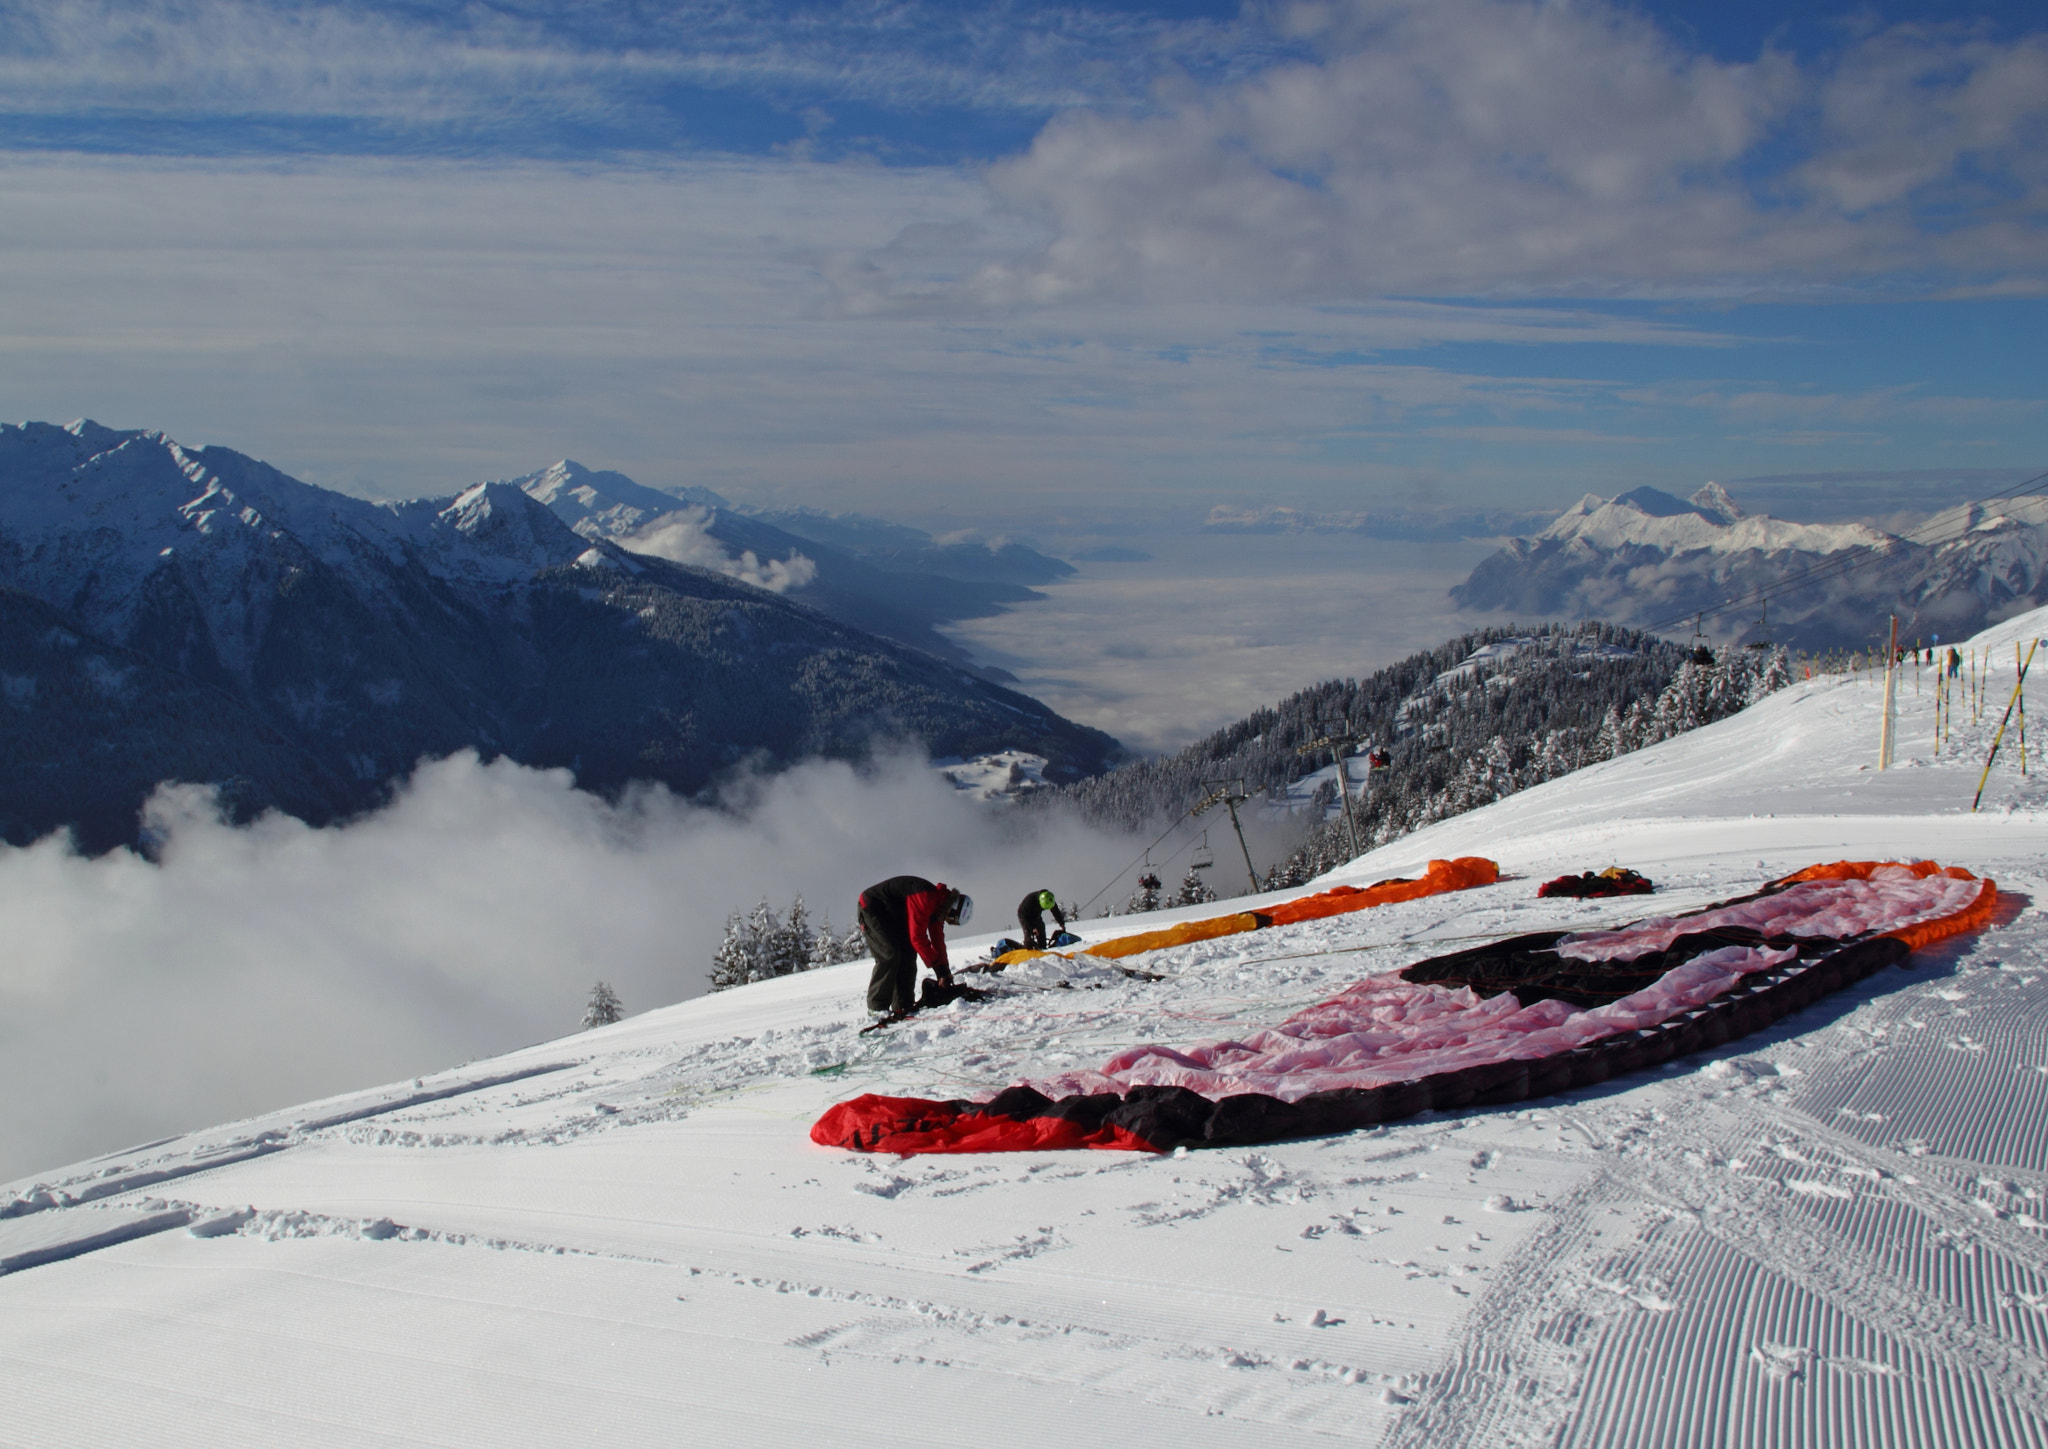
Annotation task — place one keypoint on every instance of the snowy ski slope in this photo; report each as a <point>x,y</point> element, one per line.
<point>1828,1233</point>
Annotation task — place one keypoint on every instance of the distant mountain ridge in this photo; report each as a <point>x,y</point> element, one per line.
<point>174,613</point>
<point>1646,557</point>
<point>886,578</point>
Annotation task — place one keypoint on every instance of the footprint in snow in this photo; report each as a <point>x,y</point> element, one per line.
<point>1782,1362</point>
<point>889,1189</point>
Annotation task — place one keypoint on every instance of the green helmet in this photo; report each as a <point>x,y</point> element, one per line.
<point>1046,901</point>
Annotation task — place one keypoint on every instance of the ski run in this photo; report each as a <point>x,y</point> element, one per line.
<point>1829,1232</point>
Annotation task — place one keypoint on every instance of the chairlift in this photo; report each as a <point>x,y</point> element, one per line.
<point>1763,626</point>
<point>1203,857</point>
<point>1702,647</point>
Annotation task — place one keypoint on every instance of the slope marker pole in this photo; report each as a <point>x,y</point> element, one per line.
<point>1891,681</point>
<point>2018,685</point>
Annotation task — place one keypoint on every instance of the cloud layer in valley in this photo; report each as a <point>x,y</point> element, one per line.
<point>257,967</point>
<point>1214,625</point>
<point>680,538</point>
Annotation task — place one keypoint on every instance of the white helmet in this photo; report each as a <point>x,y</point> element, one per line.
<point>962,909</point>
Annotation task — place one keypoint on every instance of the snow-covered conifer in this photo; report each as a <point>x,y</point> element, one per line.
<point>763,944</point>
<point>788,945</point>
<point>732,964</point>
<point>604,1007</point>
<point>829,948</point>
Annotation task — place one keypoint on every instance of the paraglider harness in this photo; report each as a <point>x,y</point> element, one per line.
<point>1616,880</point>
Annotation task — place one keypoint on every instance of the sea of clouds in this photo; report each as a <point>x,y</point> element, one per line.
<point>248,968</point>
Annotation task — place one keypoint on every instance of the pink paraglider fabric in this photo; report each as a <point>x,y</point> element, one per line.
<point>1386,1029</point>
<point>1890,900</point>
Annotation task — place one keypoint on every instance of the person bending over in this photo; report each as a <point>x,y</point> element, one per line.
<point>1031,916</point>
<point>902,919</point>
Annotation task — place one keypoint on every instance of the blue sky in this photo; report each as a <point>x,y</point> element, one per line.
<point>984,264</point>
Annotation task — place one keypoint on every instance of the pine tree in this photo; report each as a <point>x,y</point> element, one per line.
<point>732,964</point>
<point>827,949</point>
<point>762,944</point>
<point>1194,891</point>
<point>788,944</point>
<point>761,928</point>
<point>604,1007</point>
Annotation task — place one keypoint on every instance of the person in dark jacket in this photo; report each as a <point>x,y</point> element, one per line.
<point>1031,916</point>
<point>902,919</point>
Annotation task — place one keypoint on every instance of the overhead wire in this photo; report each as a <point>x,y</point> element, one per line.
<point>1185,816</point>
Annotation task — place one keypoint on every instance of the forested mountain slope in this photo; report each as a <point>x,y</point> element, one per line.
<point>1457,726</point>
<point>302,648</point>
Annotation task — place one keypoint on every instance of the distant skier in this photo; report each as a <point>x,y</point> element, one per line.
<point>1031,916</point>
<point>902,919</point>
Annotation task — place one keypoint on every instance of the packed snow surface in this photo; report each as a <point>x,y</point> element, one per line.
<point>1830,1232</point>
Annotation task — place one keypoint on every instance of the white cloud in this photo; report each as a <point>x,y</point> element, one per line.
<point>406,329</point>
<point>1462,147</point>
<point>680,538</point>
<point>1909,109</point>
<point>258,967</point>
<point>1189,300</point>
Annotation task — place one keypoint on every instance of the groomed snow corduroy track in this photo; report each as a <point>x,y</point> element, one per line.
<point>1828,1232</point>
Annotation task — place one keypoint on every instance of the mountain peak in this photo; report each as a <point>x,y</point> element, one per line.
<point>507,523</point>
<point>96,436</point>
<point>599,503</point>
<point>1655,502</point>
<point>1713,499</point>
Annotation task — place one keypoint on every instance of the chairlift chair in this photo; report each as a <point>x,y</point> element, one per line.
<point>1763,624</point>
<point>1702,647</point>
<point>1203,857</point>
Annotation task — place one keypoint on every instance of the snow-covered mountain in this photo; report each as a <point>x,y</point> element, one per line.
<point>1826,1232</point>
<point>1647,557</point>
<point>280,622</point>
<point>599,503</point>
<point>886,578</point>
